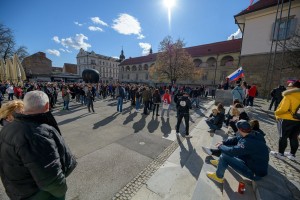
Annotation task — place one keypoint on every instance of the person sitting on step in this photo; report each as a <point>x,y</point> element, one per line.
<point>247,154</point>
<point>216,118</point>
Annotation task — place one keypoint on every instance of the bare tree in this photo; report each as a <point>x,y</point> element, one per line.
<point>173,62</point>
<point>8,45</point>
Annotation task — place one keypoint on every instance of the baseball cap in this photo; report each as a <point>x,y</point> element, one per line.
<point>244,126</point>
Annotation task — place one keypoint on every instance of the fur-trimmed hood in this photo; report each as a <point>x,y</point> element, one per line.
<point>290,91</point>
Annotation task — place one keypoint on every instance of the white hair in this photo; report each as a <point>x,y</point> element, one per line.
<point>35,101</point>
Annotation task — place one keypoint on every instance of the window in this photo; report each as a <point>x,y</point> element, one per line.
<point>93,62</point>
<point>204,76</point>
<point>283,27</point>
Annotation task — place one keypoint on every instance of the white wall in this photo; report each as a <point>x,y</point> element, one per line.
<point>258,30</point>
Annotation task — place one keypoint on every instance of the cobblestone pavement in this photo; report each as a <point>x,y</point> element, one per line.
<point>288,168</point>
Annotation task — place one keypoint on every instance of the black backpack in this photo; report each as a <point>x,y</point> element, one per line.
<point>296,114</point>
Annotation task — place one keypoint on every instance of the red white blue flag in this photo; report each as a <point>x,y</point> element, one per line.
<point>239,73</point>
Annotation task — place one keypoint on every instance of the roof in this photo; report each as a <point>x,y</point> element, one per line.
<point>229,46</point>
<point>259,5</point>
<point>70,65</point>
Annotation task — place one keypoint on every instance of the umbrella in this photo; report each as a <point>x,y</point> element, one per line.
<point>20,70</point>
<point>14,71</point>
<point>8,70</point>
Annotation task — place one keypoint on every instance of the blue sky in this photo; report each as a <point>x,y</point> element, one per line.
<point>61,27</point>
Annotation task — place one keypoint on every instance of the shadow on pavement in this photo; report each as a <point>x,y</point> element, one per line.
<point>165,127</point>
<point>130,118</point>
<point>66,121</point>
<point>106,121</point>
<point>153,124</point>
<point>189,158</point>
<point>139,125</point>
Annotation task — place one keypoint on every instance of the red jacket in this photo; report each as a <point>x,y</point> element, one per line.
<point>167,97</point>
<point>252,91</point>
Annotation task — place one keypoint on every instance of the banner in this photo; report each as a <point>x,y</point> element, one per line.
<point>239,73</point>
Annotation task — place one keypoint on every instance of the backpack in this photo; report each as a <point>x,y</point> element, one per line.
<point>296,114</point>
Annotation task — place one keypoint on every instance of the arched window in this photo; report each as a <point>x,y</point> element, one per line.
<point>197,62</point>
<point>146,67</point>
<point>123,68</point>
<point>127,68</point>
<point>133,68</point>
<point>140,67</point>
<point>211,62</point>
<point>227,61</point>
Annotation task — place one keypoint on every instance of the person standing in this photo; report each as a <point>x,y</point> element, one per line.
<point>138,96</point>
<point>183,106</point>
<point>38,152</point>
<point>65,93</point>
<point>166,103</point>
<point>288,122</point>
<point>10,92</point>
<point>251,95</point>
<point>238,92</point>
<point>146,98</point>
<point>156,101</point>
<point>278,95</point>
<point>90,99</point>
<point>120,94</point>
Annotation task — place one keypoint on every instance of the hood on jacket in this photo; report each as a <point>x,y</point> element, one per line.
<point>291,91</point>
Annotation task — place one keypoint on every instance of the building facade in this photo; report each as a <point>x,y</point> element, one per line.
<point>107,67</point>
<point>216,61</point>
<point>37,64</point>
<point>262,66</point>
<point>70,68</point>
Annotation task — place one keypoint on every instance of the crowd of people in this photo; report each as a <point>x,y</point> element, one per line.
<point>31,139</point>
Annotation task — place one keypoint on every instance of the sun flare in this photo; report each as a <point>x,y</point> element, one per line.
<point>169,3</point>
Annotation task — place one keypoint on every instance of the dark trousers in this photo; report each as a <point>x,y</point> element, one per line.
<point>277,102</point>
<point>90,105</point>
<point>233,126</point>
<point>250,101</point>
<point>10,96</point>
<point>146,105</point>
<point>271,104</point>
<point>156,105</point>
<point>186,120</point>
<point>288,129</point>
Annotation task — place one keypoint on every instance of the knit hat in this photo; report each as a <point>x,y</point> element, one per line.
<point>296,84</point>
<point>244,126</point>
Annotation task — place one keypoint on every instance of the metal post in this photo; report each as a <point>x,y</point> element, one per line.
<point>284,42</point>
<point>270,55</point>
<point>275,51</point>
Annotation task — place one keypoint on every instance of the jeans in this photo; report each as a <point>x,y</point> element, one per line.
<point>212,125</point>
<point>196,100</point>
<point>137,104</point>
<point>120,104</point>
<point>186,120</point>
<point>90,105</point>
<point>146,105</point>
<point>163,111</point>
<point>235,163</point>
<point>10,96</point>
<point>66,105</point>
<point>82,99</point>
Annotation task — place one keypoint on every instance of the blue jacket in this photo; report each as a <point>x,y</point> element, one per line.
<point>238,93</point>
<point>252,149</point>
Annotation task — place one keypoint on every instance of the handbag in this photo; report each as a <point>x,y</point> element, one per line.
<point>166,106</point>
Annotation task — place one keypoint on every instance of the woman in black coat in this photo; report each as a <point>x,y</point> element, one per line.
<point>156,101</point>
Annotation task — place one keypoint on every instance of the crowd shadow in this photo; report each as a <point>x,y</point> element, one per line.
<point>66,121</point>
<point>153,124</point>
<point>165,127</point>
<point>139,125</point>
<point>106,120</point>
<point>189,158</point>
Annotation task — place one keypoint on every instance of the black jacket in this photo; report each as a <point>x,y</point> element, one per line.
<point>218,119</point>
<point>34,159</point>
<point>183,105</point>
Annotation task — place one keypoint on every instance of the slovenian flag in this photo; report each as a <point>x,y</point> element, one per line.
<point>239,73</point>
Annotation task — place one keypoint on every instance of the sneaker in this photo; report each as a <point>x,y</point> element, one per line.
<point>213,176</point>
<point>211,131</point>
<point>277,155</point>
<point>188,136</point>
<point>207,151</point>
<point>289,156</point>
<point>214,162</point>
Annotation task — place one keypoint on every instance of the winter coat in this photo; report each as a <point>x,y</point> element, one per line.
<point>288,105</point>
<point>146,94</point>
<point>217,119</point>
<point>252,91</point>
<point>156,98</point>
<point>252,149</point>
<point>183,105</point>
<point>238,93</point>
<point>167,97</point>
<point>278,93</point>
<point>34,159</point>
